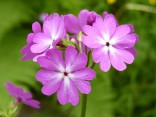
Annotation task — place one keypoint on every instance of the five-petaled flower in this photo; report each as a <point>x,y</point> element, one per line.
<point>65,75</point>
<point>112,44</point>
<point>46,38</point>
<point>21,96</point>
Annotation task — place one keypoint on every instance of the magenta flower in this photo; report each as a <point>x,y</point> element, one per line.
<point>36,28</point>
<point>112,44</point>
<point>53,32</point>
<point>41,40</point>
<point>21,96</point>
<point>75,25</point>
<point>65,76</point>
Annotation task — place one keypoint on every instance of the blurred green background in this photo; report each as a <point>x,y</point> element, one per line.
<point>131,93</point>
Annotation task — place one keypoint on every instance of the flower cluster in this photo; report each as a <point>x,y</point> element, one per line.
<point>62,47</point>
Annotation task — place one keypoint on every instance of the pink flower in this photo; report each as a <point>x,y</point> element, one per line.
<point>21,96</point>
<point>36,28</point>
<point>53,32</point>
<point>75,25</point>
<point>65,75</point>
<point>112,44</point>
<point>41,40</point>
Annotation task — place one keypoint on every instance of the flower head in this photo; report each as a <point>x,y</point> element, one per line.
<point>53,32</point>
<point>46,38</point>
<point>36,28</point>
<point>75,25</point>
<point>21,96</point>
<point>65,75</point>
<point>113,44</point>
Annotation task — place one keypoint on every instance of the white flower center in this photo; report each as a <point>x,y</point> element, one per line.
<point>66,75</point>
<point>66,72</point>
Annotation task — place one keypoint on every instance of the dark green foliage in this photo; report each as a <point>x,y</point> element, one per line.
<point>131,93</point>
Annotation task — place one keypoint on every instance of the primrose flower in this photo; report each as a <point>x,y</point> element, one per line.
<point>41,40</point>
<point>74,25</point>
<point>65,75</point>
<point>21,96</point>
<point>112,44</point>
<point>36,28</point>
<point>53,32</point>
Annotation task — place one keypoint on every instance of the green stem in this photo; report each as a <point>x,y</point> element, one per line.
<point>88,58</point>
<point>92,65</point>
<point>80,41</point>
<point>84,99</point>
<point>84,104</point>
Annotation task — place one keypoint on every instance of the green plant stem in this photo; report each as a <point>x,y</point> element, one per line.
<point>92,65</point>
<point>84,99</point>
<point>84,104</point>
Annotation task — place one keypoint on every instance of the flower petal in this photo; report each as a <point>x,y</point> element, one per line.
<point>93,42</point>
<point>41,38</point>
<point>45,75</point>
<point>117,63</point>
<point>123,30</point>
<point>68,93</point>
<point>70,55</point>
<point>84,74</point>
<point>42,42</point>
<point>80,62</point>
<point>46,63</point>
<point>127,41</point>
<point>126,56</point>
<point>30,38</point>
<point>38,48</point>
<point>51,24</point>
<point>13,90</point>
<point>118,57</point>
<point>72,24</point>
<point>82,85</point>
<point>55,27</point>
<point>32,103</point>
<point>27,95</point>
<point>132,51</point>
<point>38,55</point>
<point>82,18</point>
<point>99,23</point>
<point>91,31</point>
<point>98,53</point>
<point>28,54</point>
<point>103,57</point>
<point>61,32</point>
<point>51,86</point>
<point>55,56</point>
<point>36,27</point>
<point>110,24</point>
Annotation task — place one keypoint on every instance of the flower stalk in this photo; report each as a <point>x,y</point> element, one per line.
<point>84,105</point>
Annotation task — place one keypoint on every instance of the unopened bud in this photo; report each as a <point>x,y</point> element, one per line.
<point>73,40</point>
